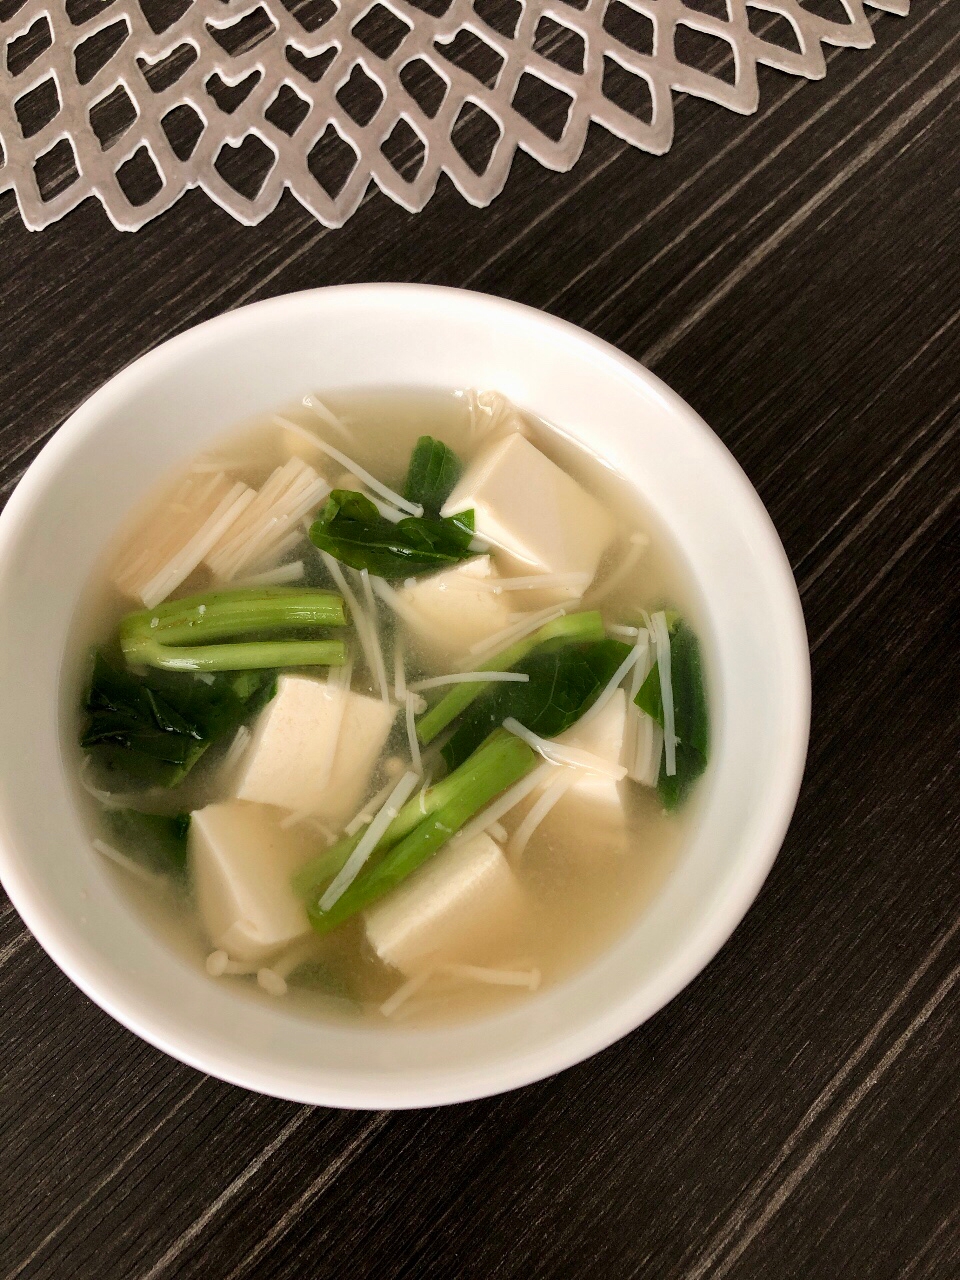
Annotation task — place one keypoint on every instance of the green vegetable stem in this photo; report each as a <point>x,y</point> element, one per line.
<point>570,629</point>
<point>177,636</point>
<point>312,880</point>
<point>564,683</point>
<point>500,762</point>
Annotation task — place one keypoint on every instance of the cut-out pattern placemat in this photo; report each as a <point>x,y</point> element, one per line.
<point>136,101</point>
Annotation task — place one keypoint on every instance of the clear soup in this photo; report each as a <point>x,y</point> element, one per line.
<point>581,880</point>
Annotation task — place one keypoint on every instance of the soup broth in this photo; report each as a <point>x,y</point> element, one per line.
<point>521,894</point>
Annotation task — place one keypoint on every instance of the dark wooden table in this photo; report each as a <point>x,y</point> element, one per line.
<point>794,1113</point>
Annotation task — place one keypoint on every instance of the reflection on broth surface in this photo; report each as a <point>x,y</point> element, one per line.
<point>298,785</point>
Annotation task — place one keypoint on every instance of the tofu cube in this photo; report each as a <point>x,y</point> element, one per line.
<point>603,734</point>
<point>449,611</point>
<point>539,518</point>
<point>241,861</point>
<point>455,909</point>
<point>313,749</point>
<point>590,816</point>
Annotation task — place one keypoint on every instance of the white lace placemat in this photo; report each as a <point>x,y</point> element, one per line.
<point>136,101</point>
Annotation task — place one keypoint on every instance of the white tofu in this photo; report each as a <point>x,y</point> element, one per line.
<point>455,909</point>
<point>590,816</point>
<point>313,749</point>
<point>603,734</point>
<point>242,861</point>
<point>449,611</point>
<point>539,518</point>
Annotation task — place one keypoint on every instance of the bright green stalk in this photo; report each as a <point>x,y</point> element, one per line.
<point>213,615</point>
<point>507,765</point>
<point>572,628</point>
<point>311,880</point>
<point>254,655</point>
<point>176,635</point>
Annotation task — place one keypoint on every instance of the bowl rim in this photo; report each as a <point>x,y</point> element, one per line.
<point>696,951</point>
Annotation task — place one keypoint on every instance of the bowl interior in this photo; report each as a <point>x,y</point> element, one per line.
<point>172,402</point>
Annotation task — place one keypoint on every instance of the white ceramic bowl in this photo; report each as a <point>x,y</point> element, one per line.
<point>168,405</point>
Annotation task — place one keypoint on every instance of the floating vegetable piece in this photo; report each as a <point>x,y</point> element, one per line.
<point>152,731</point>
<point>154,840</point>
<point>505,760</point>
<point>486,763</point>
<point>691,721</point>
<point>434,471</point>
<point>352,530</point>
<point>566,630</point>
<point>564,683</point>
<point>177,635</point>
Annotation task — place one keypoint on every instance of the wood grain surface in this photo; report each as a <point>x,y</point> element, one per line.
<point>794,1112</point>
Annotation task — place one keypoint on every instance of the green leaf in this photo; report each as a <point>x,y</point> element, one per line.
<point>689,694</point>
<point>254,689</point>
<point>570,628</point>
<point>151,731</point>
<point>216,704</point>
<point>564,683</point>
<point>649,698</point>
<point>352,530</point>
<point>156,842</point>
<point>673,789</point>
<point>690,717</point>
<point>433,473</point>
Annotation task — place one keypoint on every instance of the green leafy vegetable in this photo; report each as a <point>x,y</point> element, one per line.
<point>500,762</point>
<point>177,635</point>
<point>352,530</point>
<point>433,473</point>
<point>649,696</point>
<point>158,843</point>
<point>691,722</point>
<point>152,731</point>
<point>564,683</point>
<point>312,879</point>
<point>567,630</point>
